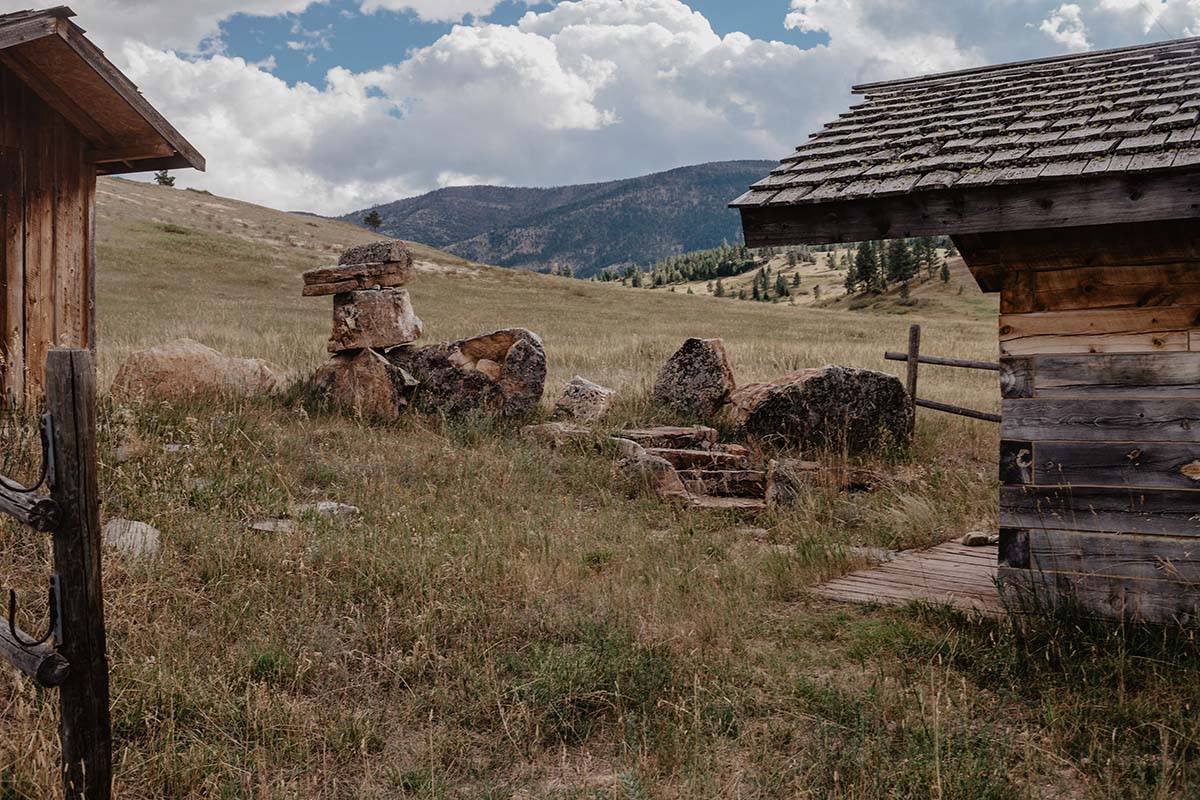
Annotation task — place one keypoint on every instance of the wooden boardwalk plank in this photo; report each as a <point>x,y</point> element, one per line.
<point>948,574</point>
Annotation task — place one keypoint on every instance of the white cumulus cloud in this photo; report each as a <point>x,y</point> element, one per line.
<point>1065,25</point>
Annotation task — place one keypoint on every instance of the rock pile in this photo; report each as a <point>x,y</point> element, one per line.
<point>371,314</point>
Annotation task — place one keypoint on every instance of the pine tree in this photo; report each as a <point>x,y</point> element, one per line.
<point>901,264</point>
<point>945,271</point>
<point>372,220</point>
<point>863,269</point>
<point>795,279</point>
<point>757,294</point>
<point>791,258</point>
<point>719,291</point>
<point>781,287</point>
<point>164,178</point>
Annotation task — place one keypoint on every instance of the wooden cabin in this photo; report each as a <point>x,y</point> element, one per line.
<point>66,115</point>
<point>1071,186</point>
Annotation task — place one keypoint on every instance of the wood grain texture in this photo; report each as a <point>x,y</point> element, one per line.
<point>1117,376</point>
<point>1138,330</point>
<point>1163,242</point>
<point>48,246</point>
<point>1016,377</point>
<point>1161,512</point>
<point>1144,557</point>
<point>1081,288</point>
<point>1126,599</point>
<point>84,722</point>
<point>1142,465</point>
<point>1101,420</point>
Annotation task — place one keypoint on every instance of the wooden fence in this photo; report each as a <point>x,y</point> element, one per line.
<point>69,653</point>
<point>915,360</point>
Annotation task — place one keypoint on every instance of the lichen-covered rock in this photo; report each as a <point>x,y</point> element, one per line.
<point>381,252</point>
<point>503,372</point>
<point>584,400</point>
<point>186,368</point>
<point>697,380</point>
<point>365,384</point>
<point>378,318</point>
<point>831,407</point>
<point>787,479</point>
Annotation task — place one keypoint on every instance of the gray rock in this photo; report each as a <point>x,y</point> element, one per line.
<point>697,380</point>
<point>584,400</point>
<point>831,407</point>
<point>273,526</point>
<point>329,509</point>
<point>980,539</point>
<point>503,372</point>
<point>133,539</point>
<point>376,253</point>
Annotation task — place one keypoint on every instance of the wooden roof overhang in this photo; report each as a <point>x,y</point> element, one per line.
<point>126,134</point>
<point>1094,139</point>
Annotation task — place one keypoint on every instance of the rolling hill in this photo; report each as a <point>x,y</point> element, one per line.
<point>586,227</point>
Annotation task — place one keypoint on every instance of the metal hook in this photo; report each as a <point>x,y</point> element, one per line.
<point>52,602</point>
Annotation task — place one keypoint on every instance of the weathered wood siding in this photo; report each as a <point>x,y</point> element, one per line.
<point>47,192</point>
<point>1100,451</point>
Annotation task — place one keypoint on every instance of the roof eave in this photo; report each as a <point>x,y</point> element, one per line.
<point>1012,207</point>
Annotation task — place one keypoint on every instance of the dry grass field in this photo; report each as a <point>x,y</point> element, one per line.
<point>506,621</point>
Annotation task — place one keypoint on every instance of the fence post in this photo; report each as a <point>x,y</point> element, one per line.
<point>914,363</point>
<point>84,727</point>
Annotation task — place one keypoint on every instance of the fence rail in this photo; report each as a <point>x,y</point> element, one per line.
<point>914,359</point>
<point>70,653</point>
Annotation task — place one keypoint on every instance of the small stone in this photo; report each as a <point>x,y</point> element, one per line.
<point>584,400</point>
<point>134,539</point>
<point>381,252</point>
<point>556,434</point>
<point>697,379</point>
<point>978,539</point>
<point>273,526</point>
<point>329,509</point>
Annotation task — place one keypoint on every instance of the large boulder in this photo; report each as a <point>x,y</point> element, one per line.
<point>584,401</point>
<point>831,407</point>
<point>365,384</point>
<point>503,372</point>
<point>186,368</point>
<point>697,380</point>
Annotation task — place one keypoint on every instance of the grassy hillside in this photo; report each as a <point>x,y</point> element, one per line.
<point>587,227</point>
<point>510,622</point>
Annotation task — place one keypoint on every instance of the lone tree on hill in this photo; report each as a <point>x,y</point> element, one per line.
<point>164,178</point>
<point>372,220</point>
<point>945,271</point>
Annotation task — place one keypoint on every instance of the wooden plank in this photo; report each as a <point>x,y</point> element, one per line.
<point>1128,556</point>
<point>1163,512</point>
<point>17,33</point>
<point>1016,377</point>
<point>1101,200</point>
<point>1100,420</point>
<point>947,408</point>
<point>1165,242</point>
<point>940,361</point>
<point>1148,286</point>
<point>39,249</point>
<point>1127,599</point>
<point>84,726</point>
<point>12,277</point>
<point>1153,330</point>
<point>52,95</point>
<point>1149,465</point>
<point>1118,376</point>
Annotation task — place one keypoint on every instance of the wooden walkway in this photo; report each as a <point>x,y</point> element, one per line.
<point>948,574</point>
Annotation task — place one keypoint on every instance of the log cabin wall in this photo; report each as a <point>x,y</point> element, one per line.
<point>1100,451</point>
<point>47,196</point>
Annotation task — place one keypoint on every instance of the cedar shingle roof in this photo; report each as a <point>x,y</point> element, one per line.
<point>1133,110</point>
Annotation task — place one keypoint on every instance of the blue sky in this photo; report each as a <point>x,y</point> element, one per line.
<point>338,34</point>
<point>336,105</point>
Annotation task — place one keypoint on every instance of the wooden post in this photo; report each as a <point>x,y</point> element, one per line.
<point>84,728</point>
<point>914,363</point>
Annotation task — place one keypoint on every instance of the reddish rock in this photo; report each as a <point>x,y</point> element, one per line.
<point>378,318</point>
<point>186,368</point>
<point>365,384</point>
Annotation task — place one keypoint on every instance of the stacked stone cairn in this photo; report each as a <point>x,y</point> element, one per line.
<point>371,315</point>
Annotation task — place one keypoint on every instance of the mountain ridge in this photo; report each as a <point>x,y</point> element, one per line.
<point>587,227</point>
